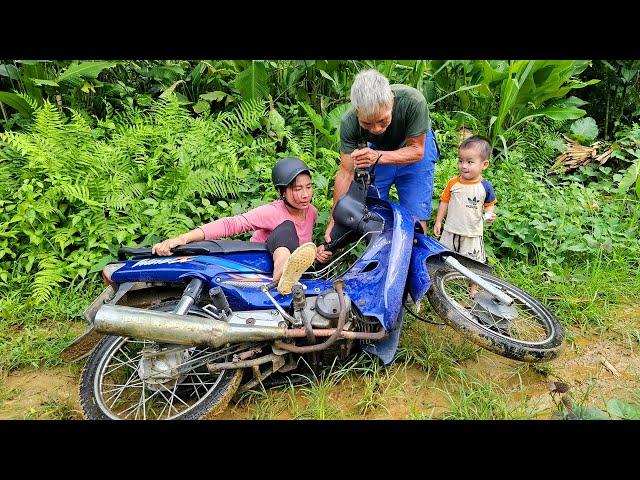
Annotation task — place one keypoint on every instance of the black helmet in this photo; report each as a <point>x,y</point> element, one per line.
<point>286,170</point>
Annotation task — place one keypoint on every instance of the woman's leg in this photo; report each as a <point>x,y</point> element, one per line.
<point>280,257</point>
<point>282,241</point>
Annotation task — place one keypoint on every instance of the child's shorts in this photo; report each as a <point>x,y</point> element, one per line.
<point>472,247</point>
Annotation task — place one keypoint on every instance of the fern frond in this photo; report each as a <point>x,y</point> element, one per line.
<point>48,277</point>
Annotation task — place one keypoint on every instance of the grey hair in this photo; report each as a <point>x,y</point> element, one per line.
<point>370,92</point>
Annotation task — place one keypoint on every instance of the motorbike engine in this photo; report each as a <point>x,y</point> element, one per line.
<point>324,309</point>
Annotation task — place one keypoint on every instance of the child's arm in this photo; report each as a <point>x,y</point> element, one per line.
<point>442,211</point>
<point>489,213</point>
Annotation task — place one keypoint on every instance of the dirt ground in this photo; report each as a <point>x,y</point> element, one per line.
<point>597,368</point>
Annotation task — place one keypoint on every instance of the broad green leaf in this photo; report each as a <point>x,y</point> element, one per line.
<point>201,106</point>
<point>560,112</point>
<point>316,119</point>
<point>77,71</point>
<point>631,176</point>
<point>39,82</point>
<point>490,74</point>
<point>327,76</point>
<point>100,264</point>
<point>621,409</point>
<point>143,100</point>
<point>458,91</point>
<point>584,130</point>
<point>166,73</point>
<point>182,99</point>
<point>589,413</point>
<point>213,96</point>
<point>17,103</point>
<point>11,71</point>
<point>169,90</point>
<point>32,62</point>
<point>87,87</point>
<point>575,101</point>
<point>335,115</point>
<point>252,82</point>
<point>276,123</point>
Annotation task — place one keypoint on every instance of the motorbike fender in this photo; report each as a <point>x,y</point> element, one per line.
<point>426,256</point>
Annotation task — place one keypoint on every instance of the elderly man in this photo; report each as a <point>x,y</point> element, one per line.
<point>394,122</point>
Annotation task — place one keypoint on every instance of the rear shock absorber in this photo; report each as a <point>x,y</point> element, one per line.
<point>189,297</point>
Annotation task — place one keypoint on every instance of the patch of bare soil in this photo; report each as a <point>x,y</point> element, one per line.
<point>40,394</point>
<point>596,368</point>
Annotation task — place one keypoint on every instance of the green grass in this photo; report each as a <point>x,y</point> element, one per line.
<point>440,352</point>
<point>583,295</point>
<point>53,409</point>
<point>33,335</point>
<point>317,395</point>
<point>380,386</point>
<point>483,400</point>
<point>543,369</point>
<point>265,404</point>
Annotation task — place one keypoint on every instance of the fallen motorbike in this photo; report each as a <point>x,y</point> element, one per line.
<point>176,337</point>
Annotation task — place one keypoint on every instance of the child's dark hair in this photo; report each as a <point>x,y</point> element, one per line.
<point>478,142</point>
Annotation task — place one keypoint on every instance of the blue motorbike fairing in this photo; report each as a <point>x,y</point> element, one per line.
<point>375,282</point>
<point>378,291</point>
<point>419,281</point>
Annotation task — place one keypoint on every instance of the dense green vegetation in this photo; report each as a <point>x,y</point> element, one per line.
<point>94,155</point>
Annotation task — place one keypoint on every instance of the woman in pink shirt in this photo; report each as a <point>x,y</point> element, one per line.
<point>285,225</point>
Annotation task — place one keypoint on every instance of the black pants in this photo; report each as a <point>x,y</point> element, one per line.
<point>284,235</point>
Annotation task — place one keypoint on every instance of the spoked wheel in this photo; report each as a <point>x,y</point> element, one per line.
<point>524,331</point>
<point>127,378</point>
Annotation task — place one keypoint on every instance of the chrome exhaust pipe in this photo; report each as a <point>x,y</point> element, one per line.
<point>166,327</point>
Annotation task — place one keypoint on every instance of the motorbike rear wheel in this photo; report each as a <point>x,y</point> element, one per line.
<point>527,332</point>
<point>128,378</point>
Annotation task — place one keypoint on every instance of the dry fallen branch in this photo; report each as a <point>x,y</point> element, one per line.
<point>578,155</point>
<point>614,371</point>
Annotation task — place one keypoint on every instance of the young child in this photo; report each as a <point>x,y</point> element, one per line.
<point>463,200</point>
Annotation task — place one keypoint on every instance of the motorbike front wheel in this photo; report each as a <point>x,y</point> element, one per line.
<point>128,378</point>
<point>525,331</point>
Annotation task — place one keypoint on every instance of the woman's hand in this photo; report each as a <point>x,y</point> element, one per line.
<point>437,229</point>
<point>323,255</point>
<point>164,248</point>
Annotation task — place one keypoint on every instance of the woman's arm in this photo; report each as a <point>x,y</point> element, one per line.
<point>164,248</point>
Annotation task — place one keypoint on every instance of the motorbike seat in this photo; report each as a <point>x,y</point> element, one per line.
<point>204,247</point>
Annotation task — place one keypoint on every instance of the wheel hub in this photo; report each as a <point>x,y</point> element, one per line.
<point>159,371</point>
<point>493,313</point>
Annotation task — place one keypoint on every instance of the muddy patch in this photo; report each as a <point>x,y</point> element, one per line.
<point>42,394</point>
<point>594,367</point>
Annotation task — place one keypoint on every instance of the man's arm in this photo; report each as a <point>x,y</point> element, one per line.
<point>344,177</point>
<point>412,152</point>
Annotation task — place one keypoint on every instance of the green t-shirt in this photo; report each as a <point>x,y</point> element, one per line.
<point>409,117</point>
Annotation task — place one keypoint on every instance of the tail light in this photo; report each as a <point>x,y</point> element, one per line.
<point>108,271</point>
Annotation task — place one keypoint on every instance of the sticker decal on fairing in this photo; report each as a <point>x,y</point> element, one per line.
<point>159,261</point>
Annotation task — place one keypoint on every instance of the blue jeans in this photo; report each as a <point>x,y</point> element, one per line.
<point>414,182</point>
